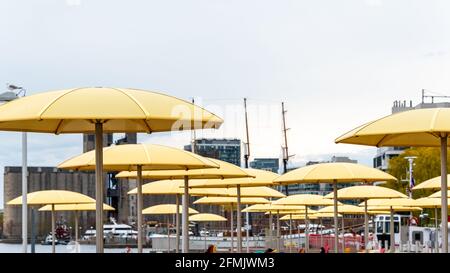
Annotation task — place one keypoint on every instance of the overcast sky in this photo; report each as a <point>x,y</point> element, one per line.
<point>336,64</point>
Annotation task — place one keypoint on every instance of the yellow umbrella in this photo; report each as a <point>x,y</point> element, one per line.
<point>439,194</point>
<point>334,173</point>
<point>230,200</point>
<point>206,217</point>
<point>421,127</point>
<point>225,171</point>
<point>304,200</point>
<point>139,157</point>
<point>97,110</point>
<point>165,209</point>
<point>75,208</point>
<point>433,183</point>
<point>298,217</point>
<point>364,193</point>
<point>52,197</point>
<point>343,209</point>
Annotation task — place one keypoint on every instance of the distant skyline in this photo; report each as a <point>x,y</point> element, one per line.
<point>336,64</point>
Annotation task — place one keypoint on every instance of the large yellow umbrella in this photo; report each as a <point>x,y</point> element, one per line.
<point>422,127</point>
<point>334,173</point>
<point>260,178</point>
<point>52,197</point>
<point>305,200</point>
<point>139,157</point>
<point>365,193</point>
<point>433,183</point>
<point>75,208</point>
<point>97,110</point>
<point>167,209</point>
<point>225,171</point>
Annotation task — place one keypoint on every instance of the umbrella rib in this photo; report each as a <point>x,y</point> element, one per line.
<point>54,100</point>
<point>147,115</point>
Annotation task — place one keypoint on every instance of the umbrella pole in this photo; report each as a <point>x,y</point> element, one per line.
<point>185,216</point>
<point>321,233</point>
<point>444,208</point>
<point>366,227</point>
<point>436,233</point>
<point>270,228</point>
<point>76,227</point>
<point>238,220</point>
<point>140,204</point>
<point>177,223</point>
<point>232,228</point>
<point>278,232</point>
<point>168,234</point>
<point>392,246</point>
<point>343,232</point>
<point>290,232</point>
<point>306,230</point>
<point>336,239</point>
<point>99,186</point>
<point>53,228</point>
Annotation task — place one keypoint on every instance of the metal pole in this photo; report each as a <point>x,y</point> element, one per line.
<point>33,230</point>
<point>343,232</point>
<point>76,227</point>
<point>177,223</point>
<point>140,204</point>
<point>444,208</point>
<point>306,230</point>
<point>247,230</point>
<point>366,227</point>
<point>168,234</point>
<point>238,220</point>
<point>270,229</point>
<point>278,232</point>
<point>185,216</point>
<point>336,231</point>
<point>290,232</point>
<point>436,233</point>
<point>99,186</point>
<point>24,194</point>
<point>53,228</point>
<point>392,246</point>
<point>232,228</point>
<point>321,233</point>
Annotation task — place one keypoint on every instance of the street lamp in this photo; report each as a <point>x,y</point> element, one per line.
<point>12,94</point>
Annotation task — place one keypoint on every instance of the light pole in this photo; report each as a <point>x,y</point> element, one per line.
<point>411,177</point>
<point>6,97</point>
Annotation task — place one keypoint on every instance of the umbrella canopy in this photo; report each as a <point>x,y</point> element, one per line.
<point>225,170</point>
<point>333,172</point>
<point>206,217</point>
<point>89,110</point>
<point>394,208</point>
<point>271,207</point>
<point>77,110</point>
<point>387,202</point>
<point>433,183</point>
<point>165,209</point>
<point>53,197</point>
<point>230,201</point>
<point>149,156</point>
<point>304,200</point>
<point>366,192</point>
<point>298,217</point>
<point>75,207</point>
<point>427,202</point>
<point>438,194</point>
<point>163,187</point>
<point>325,214</point>
<point>259,178</point>
<point>343,209</point>
<point>255,192</point>
<point>299,211</point>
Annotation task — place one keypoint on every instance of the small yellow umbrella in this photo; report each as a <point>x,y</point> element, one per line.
<point>96,110</point>
<point>421,128</point>
<point>298,217</point>
<point>365,193</point>
<point>206,217</point>
<point>433,183</point>
<point>334,173</point>
<point>52,197</point>
<point>140,157</point>
<point>260,178</point>
<point>76,208</point>
<point>343,209</point>
<point>225,171</point>
<point>438,194</point>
